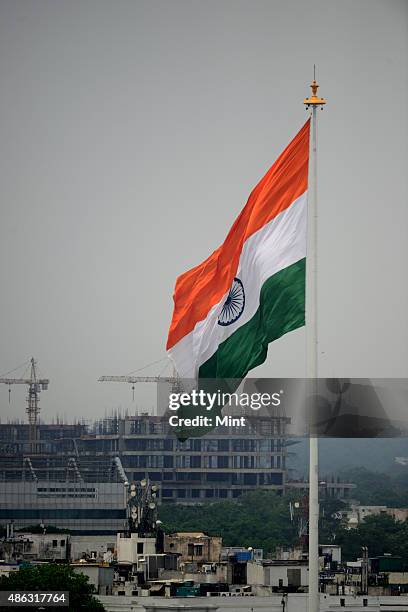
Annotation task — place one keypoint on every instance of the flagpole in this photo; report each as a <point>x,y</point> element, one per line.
<point>311,349</point>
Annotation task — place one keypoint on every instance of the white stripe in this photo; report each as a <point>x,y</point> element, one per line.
<point>277,245</point>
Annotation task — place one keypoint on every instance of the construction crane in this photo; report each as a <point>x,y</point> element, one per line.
<point>35,386</point>
<point>173,380</point>
<point>138,379</point>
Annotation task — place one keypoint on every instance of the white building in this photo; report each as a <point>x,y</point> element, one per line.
<point>95,547</point>
<point>100,576</point>
<point>330,553</point>
<point>279,574</point>
<point>133,550</point>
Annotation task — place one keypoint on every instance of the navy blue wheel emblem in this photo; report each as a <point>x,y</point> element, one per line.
<point>234,304</point>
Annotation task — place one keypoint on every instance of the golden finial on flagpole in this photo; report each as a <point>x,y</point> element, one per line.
<point>314,100</point>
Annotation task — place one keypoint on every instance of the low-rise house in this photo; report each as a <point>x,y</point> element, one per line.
<point>92,547</point>
<point>7,568</point>
<point>397,581</point>
<point>280,575</point>
<point>359,513</point>
<point>385,564</point>
<point>194,547</point>
<point>101,576</point>
<point>330,556</point>
<point>35,547</point>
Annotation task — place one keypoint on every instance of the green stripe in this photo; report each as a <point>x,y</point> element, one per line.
<point>281,310</point>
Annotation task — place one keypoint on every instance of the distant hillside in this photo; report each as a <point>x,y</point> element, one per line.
<point>338,454</point>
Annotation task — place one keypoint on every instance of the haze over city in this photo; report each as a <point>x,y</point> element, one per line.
<point>132,135</point>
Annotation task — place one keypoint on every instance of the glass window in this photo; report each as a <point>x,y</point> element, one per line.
<point>222,461</point>
<point>276,479</point>
<point>196,445</point>
<point>210,445</point>
<point>168,461</point>
<point>155,476</point>
<point>168,445</point>
<point>218,477</point>
<point>212,461</point>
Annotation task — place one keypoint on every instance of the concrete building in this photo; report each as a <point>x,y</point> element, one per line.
<point>385,564</point>
<point>290,553</point>
<point>194,547</point>
<point>101,548</point>
<point>139,560</point>
<point>333,488</point>
<point>35,547</point>
<point>80,506</point>
<point>7,568</point>
<point>399,514</point>
<point>222,464</point>
<point>359,513</point>
<point>133,550</point>
<point>288,575</point>
<point>58,547</point>
<point>77,478</point>
<point>353,576</point>
<point>330,555</point>
<point>101,576</point>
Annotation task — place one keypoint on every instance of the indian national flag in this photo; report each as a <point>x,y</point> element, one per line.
<point>251,290</point>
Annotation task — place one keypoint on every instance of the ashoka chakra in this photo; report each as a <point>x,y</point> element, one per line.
<point>234,304</point>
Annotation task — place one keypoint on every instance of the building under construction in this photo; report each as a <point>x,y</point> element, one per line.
<point>77,475</point>
<point>55,486</point>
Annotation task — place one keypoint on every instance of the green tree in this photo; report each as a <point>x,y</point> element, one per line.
<point>53,577</point>
<point>329,522</point>
<point>375,488</point>
<point>260,519</point>
<point>380,533</point>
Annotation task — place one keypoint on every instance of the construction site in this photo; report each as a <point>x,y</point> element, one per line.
<point>76,476</point>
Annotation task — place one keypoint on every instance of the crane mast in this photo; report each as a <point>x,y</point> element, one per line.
<point>35,386</point>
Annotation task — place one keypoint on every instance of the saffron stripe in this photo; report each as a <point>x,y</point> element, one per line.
<point>200,289</point>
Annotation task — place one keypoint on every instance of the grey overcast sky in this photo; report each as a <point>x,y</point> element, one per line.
<point>132,133</point>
